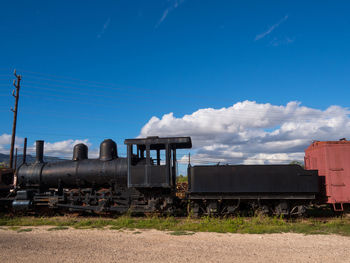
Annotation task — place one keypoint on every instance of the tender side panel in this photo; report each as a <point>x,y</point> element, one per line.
<point>252,179</point>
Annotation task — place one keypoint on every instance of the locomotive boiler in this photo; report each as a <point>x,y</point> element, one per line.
<point>80,172</point>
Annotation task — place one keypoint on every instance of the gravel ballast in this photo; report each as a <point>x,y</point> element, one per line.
<point>96,245</point>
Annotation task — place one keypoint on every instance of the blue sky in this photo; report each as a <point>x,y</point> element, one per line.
<point>102,69</point>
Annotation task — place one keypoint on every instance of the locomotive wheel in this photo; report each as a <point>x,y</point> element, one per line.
<point>298,210</point>
<point>263,210</point>
<point>194,209</point>
<point>282,209</point>
<point>212,208</point>
<point>230,207</point>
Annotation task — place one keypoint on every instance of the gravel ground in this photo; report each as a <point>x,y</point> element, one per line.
<point>105,245</point>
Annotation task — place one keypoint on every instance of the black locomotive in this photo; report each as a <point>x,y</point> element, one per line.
<point>110,183</point>
<point>144,183</point>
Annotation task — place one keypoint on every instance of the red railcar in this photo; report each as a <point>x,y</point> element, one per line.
<point>332,160</point>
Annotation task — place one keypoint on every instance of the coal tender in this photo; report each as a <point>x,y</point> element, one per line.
<point>267,189</point>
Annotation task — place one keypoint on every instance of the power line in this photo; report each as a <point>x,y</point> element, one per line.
<point>84,82</point>
<point>71,91</point>
<point>95,84</point>
<point>73,117</point>
<point>85,136</point>
<point>82,115</point>
<point>251,112</point>
<point>54,97</point>
<point>67,78</point>
<point>70,87</point>
<point>246,114</point>
<point>144,92</point>
<point>78,101</point>
<point>101,84</point>
<point>245,111</point>
<point>75,101</point>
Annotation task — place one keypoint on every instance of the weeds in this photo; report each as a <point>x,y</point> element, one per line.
<point>14,228</point>
<point>181,233</point>
<point>58,228</point>
<point>254,225</point>
<point>24,230</point>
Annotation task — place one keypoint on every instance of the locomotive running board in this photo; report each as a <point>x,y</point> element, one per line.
<point>250,196</point>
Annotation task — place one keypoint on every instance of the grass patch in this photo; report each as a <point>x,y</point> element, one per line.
<point>58,228</point>
<point>181,233</point>
<point>253,225</point>
<point>137,232</point>
<point>181,179</point>
<point>14,228</point>
<point>24,230</point>
<point>116,228</point>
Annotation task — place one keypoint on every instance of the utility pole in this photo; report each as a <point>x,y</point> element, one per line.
<point>15,93</point>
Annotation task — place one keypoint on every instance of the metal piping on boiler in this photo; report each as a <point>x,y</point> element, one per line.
<point>24,151</point>
<point>39,151</point>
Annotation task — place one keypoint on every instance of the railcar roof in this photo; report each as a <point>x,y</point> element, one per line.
<point>159,142</point>
<point>319,144</point>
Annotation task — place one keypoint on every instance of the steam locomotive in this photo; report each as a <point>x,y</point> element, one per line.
<point>110,183</point>
<point>142,182</point>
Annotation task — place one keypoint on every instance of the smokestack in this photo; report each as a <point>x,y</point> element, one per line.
<point>39,151</point>
<point>24,150</point>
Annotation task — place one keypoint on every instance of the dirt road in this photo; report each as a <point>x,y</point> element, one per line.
<point>89,245</point>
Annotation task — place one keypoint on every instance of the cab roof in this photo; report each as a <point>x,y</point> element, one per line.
<point>156,142</point>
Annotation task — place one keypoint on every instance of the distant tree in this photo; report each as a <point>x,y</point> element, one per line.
<point>181,179</point>
<point>298,163</point>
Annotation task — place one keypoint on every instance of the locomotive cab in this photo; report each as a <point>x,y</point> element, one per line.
<point>152,160</point>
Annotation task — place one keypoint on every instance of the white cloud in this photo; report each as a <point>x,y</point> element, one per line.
<point>173,5</point>
<point>250,132</point>
<point>5,142</point>
<point>271,28</point>
<point>105,26</point>
<point>63,149</point>
<point>5,139</point>
<point>281,41</point>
